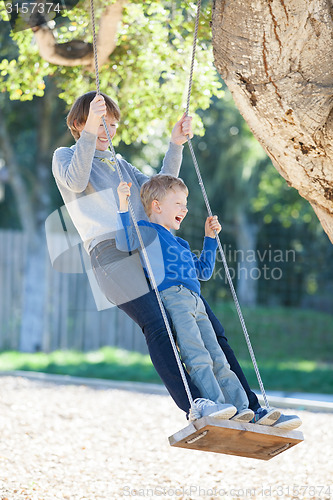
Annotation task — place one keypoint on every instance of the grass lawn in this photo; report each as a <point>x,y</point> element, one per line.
<point>293,347</point>
<point>107,363</point>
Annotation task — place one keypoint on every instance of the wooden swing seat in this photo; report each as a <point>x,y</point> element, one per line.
<point>233,438</point>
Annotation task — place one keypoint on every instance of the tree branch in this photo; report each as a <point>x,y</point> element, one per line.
<point>77,52</point>
<point>108,29</point>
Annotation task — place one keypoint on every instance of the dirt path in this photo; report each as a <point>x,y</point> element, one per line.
<point>74,442</point>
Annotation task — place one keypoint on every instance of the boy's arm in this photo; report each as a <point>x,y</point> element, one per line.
<point>126,237</point>
<point>72,168</point>
<point>173,157</point>
<point>172,160</point>
<point>206,262</point>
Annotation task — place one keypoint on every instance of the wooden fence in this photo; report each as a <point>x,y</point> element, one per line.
<point>71,319</point>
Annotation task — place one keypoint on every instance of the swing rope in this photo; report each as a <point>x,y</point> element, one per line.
<point>210,213</point>
<point>133,216</point>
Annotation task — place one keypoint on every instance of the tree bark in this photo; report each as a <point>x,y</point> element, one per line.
<point>276,58</point>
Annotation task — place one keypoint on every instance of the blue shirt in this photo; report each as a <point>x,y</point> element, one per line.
<point>170,257</point>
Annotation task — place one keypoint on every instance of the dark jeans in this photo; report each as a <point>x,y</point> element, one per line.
<point>146,313</point>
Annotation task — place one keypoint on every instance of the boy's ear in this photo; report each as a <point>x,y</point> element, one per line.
<point>155,206</point>
<point>78,126</point>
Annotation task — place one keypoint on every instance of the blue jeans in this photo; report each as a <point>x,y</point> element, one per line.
<point>146,313</point>
<point>204,359</point>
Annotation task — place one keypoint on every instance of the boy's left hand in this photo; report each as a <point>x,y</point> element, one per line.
<point>124,192</point>
<point>212,224</point>
<point>181,130</point>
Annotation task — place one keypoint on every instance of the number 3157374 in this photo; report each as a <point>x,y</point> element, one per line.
<point>32,7</point>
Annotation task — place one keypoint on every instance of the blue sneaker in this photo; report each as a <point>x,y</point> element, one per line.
<point>265,416</point>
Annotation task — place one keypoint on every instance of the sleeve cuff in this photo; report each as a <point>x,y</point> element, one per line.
<point>87,136</point>
<point>176,147</point>
<point>210,243</point>
<point>123,220</point>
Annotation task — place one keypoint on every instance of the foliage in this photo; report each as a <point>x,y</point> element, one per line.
<point>280,202</point>
<point>25,129</point>
<point>147,72</point>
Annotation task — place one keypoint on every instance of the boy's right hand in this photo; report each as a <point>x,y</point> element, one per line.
<point>212,226</point>
<point>124,192</point>
<point>97,109</point>
<point>97,106</point>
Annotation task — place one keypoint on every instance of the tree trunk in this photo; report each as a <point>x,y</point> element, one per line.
<point>33,209</point>
<point>34,298</point>
<point>246,266</point>
<point>276,58</point>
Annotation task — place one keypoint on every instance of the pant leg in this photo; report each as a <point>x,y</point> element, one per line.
<point>146,313</point>
<point>181,305</point>
<point>231,387</point>
<point>234,365</point>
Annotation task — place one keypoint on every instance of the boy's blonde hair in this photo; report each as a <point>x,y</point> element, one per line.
<point>79,111</point>
<point>157,187</point>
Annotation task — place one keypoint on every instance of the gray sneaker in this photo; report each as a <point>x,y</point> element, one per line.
<point>288,422</point>
<point>202,407</point>
<point>243,416</point>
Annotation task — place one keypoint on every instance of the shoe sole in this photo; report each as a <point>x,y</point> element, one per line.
<point>224,414</point>
<point>289,426</point>
<point>270,418</point>
<point>245,416</point>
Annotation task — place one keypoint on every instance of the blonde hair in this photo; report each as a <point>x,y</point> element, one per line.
<point>157,187</point>
<point>80,110</point>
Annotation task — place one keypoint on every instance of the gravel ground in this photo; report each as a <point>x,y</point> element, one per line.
<point>74,442</point>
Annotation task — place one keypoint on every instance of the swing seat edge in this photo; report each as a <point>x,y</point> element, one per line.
<point>235,438</point>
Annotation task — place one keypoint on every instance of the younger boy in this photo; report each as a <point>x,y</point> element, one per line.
<point>164,199</point>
